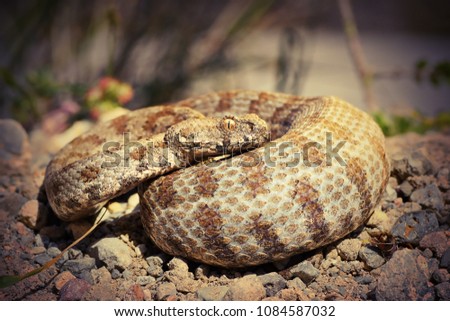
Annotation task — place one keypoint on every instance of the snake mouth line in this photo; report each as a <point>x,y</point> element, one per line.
<point>161,155</point>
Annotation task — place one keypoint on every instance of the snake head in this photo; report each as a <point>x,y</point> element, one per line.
<point>198,139</point>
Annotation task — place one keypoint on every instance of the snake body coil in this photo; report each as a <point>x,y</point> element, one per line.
<point>319,179</point>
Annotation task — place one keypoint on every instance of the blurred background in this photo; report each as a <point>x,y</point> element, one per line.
<point>80,58</point>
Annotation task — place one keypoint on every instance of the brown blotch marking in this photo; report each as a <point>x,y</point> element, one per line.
<point>254,106</point>
<point>160,121</point>
<point>93,192</point>
<point>308,198</point>
<point>207,184</point>
<point>211,223</point>
<point>256,180</point>
<point>89,173</point>
<point>304,192</point>
<point>346,221</point>
<point>163,187</point>
<point>316,223</point>
<point>138,153</point>
<point>226,102</point>
<point>119,124</point>
<point>265,234</point>
<point>358,177</point>
<point>88,140</point>
<point>292,109</point>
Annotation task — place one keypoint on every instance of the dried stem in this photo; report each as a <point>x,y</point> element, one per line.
<point>356,51</point>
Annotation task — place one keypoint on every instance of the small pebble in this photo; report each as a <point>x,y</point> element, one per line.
<point>164,290</point>
<point>273,282</point>
<point>371,257</point>
<point>115,274</point>
<point>348,249</point>
<point>116,207</point>
<point>112,252</point>
<point>443,291</point>
<point>144,280</point>
<point>296,283</point>
<point>133,202</point>
<point>33,214</point>
<point>134,293</point>
<point>212,293</point>
<point>74,290</point>
<point>79,265</point>
<point>42,258</point>
<point>53,251</point>
<point>248,288</point>
<point>305,271</point>
<point>429,197</point>
<point>154,266</point>
<point>62,278</point>
<point>445,260</point>
<point>411,227</point>
<point>436,242</point>
<point>38,250</point>
<point>440,275</point>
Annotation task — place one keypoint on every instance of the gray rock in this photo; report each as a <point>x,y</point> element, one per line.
<point>127,275</point>
<point>429,197</point>
<point>404,277</point>
<point>115,274</point>
<point>443,178</point>
<point>440,275</point>
<point>436,242</point>
<point>144,280</point>
<point>164,290</point>
<point>273,282</point>
<point>74,290</point>
<point>41,240</point>
<point>33,214</point>
<point>390,194</point>
<point>53,251</point>
<point>11,202</point>
<point>101,275</point>
<point>371,258</point>
<point>248,288</point>
<point>348,249</point>
<point>79,265</point>
<point>350,267</point>
<point>305,271</point>
<point>42,258</point>
<point>443,291</point>
<point>406,188</point>
<point>364,279</point>
<point>155,264</point>
<point>178,265</point>
<point>74,254</point>
<point>411,227</point>
<point>180,276</point>
<point>13,140</point>
<point>212,293</point>
<point>112,252</point>
<point>405,164</point>
<point>296,283</point>
<point>87,276</point>
<point>445,260</point>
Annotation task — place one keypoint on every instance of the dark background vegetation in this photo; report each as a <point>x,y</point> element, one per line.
<point>53,50</point>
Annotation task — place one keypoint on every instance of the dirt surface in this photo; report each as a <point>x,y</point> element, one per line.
<point>402,253</point>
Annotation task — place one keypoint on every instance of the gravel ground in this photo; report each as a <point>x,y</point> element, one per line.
<point>402,253</point>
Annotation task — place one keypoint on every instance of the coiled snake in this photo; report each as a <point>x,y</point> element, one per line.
<point>317,180</point>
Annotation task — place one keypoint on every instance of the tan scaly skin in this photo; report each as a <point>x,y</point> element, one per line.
<point>318,179</point>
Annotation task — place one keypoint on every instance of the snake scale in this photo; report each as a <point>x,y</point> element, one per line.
<point>319,178</point>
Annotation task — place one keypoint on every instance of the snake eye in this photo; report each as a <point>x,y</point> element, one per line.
<point>229,124</point>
